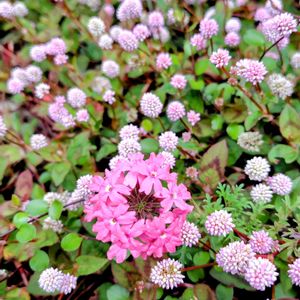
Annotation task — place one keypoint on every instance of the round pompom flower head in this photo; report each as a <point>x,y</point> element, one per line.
<point>33,73</point>
<point>56,46</point>
<point>110,68</point>
<point>257,168</point>
<point>105,42</point>
<point>190,234</point>
<point>178,81</point>
<point>109,97</point>
<point>175,111</point>
<point>38,141</point>
<point>129,132</point>
<point>208,28</point>
<point>261,242</point>
<point>261,273</point>
<point>128,41</point>
<point>38,53</point>
<point>193,117</point>
<point>235,257</point>
<point>129,9</point>
<point>141,32</point>
<point>20,10</point>
<point>155,20</point>
<point>169,159</point>
<point>163,61</point>
<point>51,280</point>
<point>82,115</point>
<point>54,225</point>
<point>232,39</point>
<point>198,41</point>
<point>167,274</point>
<point>41,90</point>
<point>219,223</point>
<point>168,141</point>
<point>284,24</point>
<point>96,26</point>
<point>250,141</point>
<point>6,10</point>
<point>76,97</point>
<point>150,105</point>
<point>129,146</point>
<point>295,61</point>
<point>233,25</point>
<point>261,193</point>
<point>220,58</point>
<point>68,284</point>
<point>280,184</point>
<point>15,86</point>
<point>294,272</point>
<point>280,86</point>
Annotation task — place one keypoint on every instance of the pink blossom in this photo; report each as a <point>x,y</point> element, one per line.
<point>193,117</point>
<point>220,58</point>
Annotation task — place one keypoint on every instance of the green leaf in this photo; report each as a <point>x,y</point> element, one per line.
<point>254,38</point>
<point>149,145</point>
<point>88,264</point>
<point>11,153</point>
<point>196,275</point>
<point>37,207</point>
<point>224,293</point>
<point>20,218</point>
<point>288,153</point>
<point>105,151</point>
<point>26,233</point>
<point>201,258</point>
<point>71,242</point>
<point>34,288</point>
<point>117,292</point>
<point>147,125</point>
<point>59,171</point>
<point>40,261</point>
<point>201,66</point>
<point>55,210</point>
<point>234,130</point>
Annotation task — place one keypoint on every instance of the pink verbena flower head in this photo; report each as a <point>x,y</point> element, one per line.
<point>193,117</point>
<point>175,111</point>
<point>178,81</point>
<point>167,274</point>
<point>82,115</point>
<point>141,32</point>
<point>76,97</point>
<point>219,223</point>
<point>168,141</point>
<point>233,25</point>
<point>294,272</point>
<point>261,242</point>
<point>138,207</point>
<point>6,10</point>
<point>261,273</point>
<point>129,146</point>
<point>235,258</point>
<point>15,86</point>
<point>129,132</point>
<point>56,46</point>
<point>163,61</point>
<point>38,53</point>
<point>129,9</point>
<point>150,105</point>
<point>198,41</point>
<point>280,184</point>
<point>251,70</point>
<point>208,28</point>
<point>232,39</point>
<point>109,97</point>
<point>60,59</point>
<point>128,41</point>
<point>220,58</point>
<point>38,141</point>
<point>110,68</point>
<point>257,168</point>
<point>190,234</point>
<point>155,20</point>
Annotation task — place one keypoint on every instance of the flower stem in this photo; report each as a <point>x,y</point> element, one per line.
<point>199,267</point>
<point>269,48</point>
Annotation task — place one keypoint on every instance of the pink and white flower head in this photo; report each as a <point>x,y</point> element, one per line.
<point>128,41</point>
<point>190,234</point>
<point>198,41</point>
<point>38,141</point>
<point>135,212</point>
<point>261,273</point>
<point>251,70</point>
<point>220,58</point>
<point>114,161</point>
<point>261,242</point>
<point>208,28</point>
<point>110,68</point>
<point>186,136</point>
<point>38,53</point>
<point>168,141</point>
<point>163,61</point>
<point>60,59</point>
<point>232,39</point>
<point>6,10</point>
<point>235,258</point>
<point>41,90</point>
<point>56,46</point>
<point>280,184</point>
<point>82,115</point>
<point>150,105</point>
<point>76,97</point>
<point>109,97</point>
<point>129,146</point>
<point>68,284</point>
<point>129,132</point>
<point>233,25</point>
<point>15,86</point>
<point>115,31</point>
<point>257,168</point>
<point>175,111</point>
<point>141,32</point>
<point>170,17</point>
<point>169,159</point>
<point>105,42</point>
<point>96,26</point>
<point>155,20</point>
<point>129,9</point>
<point>193,117</point>
<point>294,272</point>
<point>19,9</point>
<point>219,223</point>
<point>33,74</point>
<point>262,14</point>
<point>178,81</point>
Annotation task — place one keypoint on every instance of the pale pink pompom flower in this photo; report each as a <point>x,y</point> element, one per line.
<point>128,41</point>
<point>220,58</point>
<point>56,46</point>
<point>60,59</point>
<point>178,81</point>
<point>168,141</point>
<point>294,272</point>
<point>193,117</point>
<point>198,41</point>
<point>151,105</point>
<point>208,28</point>
<point>82,115</point>
<point>15,86</point>
<point>232,39</point>
<point>261,242</point>
<point>163,61</point>
<point>141,32</point>
<point>109,97</point>
<point>76,97</point>
<point>219,223</point>
<point>175,111</point>
<point>38,53</point>
<point>280,184</point>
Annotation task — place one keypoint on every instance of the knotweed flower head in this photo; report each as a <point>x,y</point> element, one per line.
<point>51,280</point>
<point>129,9</point>
<point>50,197</point>
<point>109,97</point>
<point>15,86</point>
<point>128,41</point>
<point>19,73</point>
<point>168,141</point>
<point>261,273</point>
<point>96,26</point>
<point>33,74</point>
<point>233,25</point>
<point>129,146</point>
<point>82,115</point>
<point>38,141</point>
<point>129,132</point>
<point>193,117</point>
<point>169,159</point>
<point>220,58</point>
<point>261,242</point>
<point>219,223</point>
<point>208,28</point>
<point>115,32</point>
<point>251,70</point>
<point>175,111</point>
<point>114,161</point>
<point>138,206</point>
<point>41,90</point>
<point>257,168</point>
<point>68,284</point>
<point>83,185</point>
<point>19,10</point>
<point>76,97</point>
<point>105,42</point>
<point>167,274</point>
<point>235,258</point>
<point>163,61</point>
<point>141,32</point>
<point>110,68</point>
<point>198,41</point>
<point>280,86</point>
<point>250,141</point>
<point>295,61</point>
<point>155,20</point>
<point>261,193</point>
<point>54,225</point>
<point>280,184</point>
<point>6,10</point>
<point>150,105</point>
<point>232,39</point>
<point>294,272</point>
<point>190,234</point>
<point>56,46</point>
<point>60,59</point>
<point>178,81</point>
<point>38,53</point>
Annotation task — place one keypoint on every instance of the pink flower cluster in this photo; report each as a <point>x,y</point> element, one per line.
<point>138,207</point>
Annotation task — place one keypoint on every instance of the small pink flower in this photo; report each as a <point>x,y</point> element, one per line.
<point>232,39</point>
<point>198,41</point>
<point>60,59</point>
<point>163,61</point>
<point>178,81</point>
<point>220,58</point>
<point>208,28</point>
<point>193,117</point>
<point>186,136</point>
<point>82,115</point>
